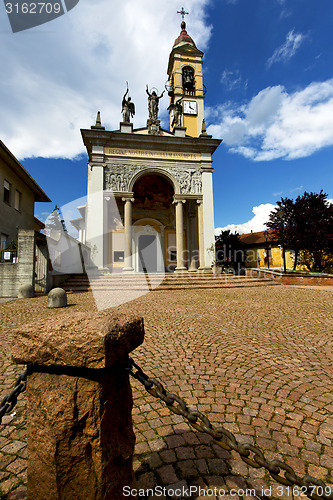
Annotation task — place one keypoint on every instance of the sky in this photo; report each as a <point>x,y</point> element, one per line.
<point>267,69</point>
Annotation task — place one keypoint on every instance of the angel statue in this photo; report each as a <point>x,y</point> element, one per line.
<point>177,112</point>
<point>128,108</point>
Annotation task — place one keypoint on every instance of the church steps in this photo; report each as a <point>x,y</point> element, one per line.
<point>156,282</point>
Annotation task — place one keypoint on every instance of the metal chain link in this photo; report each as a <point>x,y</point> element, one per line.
<point>249,453</point>
<point>8,403</point>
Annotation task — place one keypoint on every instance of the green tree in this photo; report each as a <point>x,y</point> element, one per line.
<point>307,225</point>
<point>229,250</point>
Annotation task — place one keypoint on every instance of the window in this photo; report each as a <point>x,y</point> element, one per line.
<point>6,192</point>
<point>118,256</point>
<point>3,241</point>
<point>17,200</point>
<point>172,255</point>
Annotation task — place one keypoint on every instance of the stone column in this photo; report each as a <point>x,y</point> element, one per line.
<point>180,235</point>
<point>128,233</point>
<point>79,428</point>
<point>193,245</point>
<point>106,232</point>
<point>201,236</point>
<point>95,208</point>
<point>208,216</point>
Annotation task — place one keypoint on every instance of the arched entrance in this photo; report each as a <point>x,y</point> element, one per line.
<point>153,222</point>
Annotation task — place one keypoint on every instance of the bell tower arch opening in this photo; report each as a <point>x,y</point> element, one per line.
<point>188,80</point>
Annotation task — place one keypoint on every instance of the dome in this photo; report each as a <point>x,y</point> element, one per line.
<point>183,37</point>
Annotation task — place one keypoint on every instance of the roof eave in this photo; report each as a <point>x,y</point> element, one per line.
<point>7,156</point>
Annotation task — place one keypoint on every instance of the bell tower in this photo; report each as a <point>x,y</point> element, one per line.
<point>185,84</point>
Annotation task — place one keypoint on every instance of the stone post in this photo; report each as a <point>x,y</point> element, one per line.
<point>180,235</point>
<point>128,234</point>
<point>79,401</point>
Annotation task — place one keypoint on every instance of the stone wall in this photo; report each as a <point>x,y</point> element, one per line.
<point>12,276</point>
<point>8,279</point>
<point>291,279</point>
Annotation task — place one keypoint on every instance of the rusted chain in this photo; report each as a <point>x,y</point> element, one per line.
<point>8,403</point>
<point>249,453</point>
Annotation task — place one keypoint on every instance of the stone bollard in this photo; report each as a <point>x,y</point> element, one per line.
<point>26,292</point>
<point>57,298</point>
<point>79,402</point>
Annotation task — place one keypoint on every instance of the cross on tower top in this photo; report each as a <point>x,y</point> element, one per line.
<point>182,12</point>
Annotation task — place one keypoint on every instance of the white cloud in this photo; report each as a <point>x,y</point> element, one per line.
<point>233,79</point>
<point>285,13</point>
<point>287,50</point>
<point>298,188</point>
<point>257,223</point>
<point>277,124</point>
<point>57,76</point>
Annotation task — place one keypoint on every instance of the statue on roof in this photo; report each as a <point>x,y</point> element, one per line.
<point>128,108</point>
<point>177,110</point>
<point>153,102</point>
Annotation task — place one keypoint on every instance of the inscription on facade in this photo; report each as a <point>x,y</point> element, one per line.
<point>142,153</point>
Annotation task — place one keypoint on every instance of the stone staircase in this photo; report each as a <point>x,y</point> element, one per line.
<point>171,281</point>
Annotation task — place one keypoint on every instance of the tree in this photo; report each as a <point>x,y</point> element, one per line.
<point>229,250</point>
<point>307,225</point>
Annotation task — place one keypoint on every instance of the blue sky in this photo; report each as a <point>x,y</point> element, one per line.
<point>267,69</point>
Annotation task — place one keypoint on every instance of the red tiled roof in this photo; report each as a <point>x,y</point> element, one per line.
<point>258,238</point>
<point>184,36</point>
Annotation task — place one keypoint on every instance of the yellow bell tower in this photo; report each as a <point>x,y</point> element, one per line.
<point>185,85</point>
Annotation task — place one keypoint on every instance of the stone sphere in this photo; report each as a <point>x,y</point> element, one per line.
<point>26,292</point>
<point>57,298</point>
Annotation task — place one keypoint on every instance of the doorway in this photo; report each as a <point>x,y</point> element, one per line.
<point>147,253</point>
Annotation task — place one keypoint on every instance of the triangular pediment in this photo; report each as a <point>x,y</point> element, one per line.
<point>186,48</point>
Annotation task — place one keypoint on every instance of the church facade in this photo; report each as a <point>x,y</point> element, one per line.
<point>150,193</point>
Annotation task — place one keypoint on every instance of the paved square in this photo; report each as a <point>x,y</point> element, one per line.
<point>256,360</point>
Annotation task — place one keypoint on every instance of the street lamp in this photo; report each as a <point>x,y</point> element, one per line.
<point>266,236</point>
<point>281,261</point>
<point>280,214</point>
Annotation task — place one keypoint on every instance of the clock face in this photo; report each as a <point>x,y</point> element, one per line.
<point>190,107</point>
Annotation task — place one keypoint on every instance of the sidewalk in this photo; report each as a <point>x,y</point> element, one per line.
<point>257,360</point>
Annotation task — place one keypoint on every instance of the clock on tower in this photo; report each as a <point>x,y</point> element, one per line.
<point>190,107</point>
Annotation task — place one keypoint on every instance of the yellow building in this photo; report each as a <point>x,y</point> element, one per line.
<point>257,248</point>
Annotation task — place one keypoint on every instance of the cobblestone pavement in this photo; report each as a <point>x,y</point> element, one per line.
<point>257,360</point>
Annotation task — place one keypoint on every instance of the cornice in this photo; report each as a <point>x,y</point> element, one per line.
<point>148,142</point>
